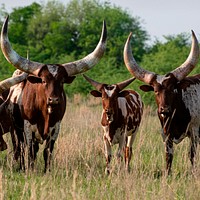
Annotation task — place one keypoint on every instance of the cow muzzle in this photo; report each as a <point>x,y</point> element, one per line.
<point>52,100</point>
<point>165,111</point>
<point>51,103</point>
<point>109,115</point>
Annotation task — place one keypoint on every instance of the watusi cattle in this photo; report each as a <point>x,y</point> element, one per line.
<point>6,122</point>
<point>41,100</point>
<point>178,99</point>
<point>121,117</point>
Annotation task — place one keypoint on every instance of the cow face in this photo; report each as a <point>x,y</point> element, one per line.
<point>165,90</point>
<point>109,95</point>
<point>50,80</point>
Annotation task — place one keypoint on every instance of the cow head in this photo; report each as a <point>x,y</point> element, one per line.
<point>166,91</point>
<point>61,73</point>
<point>109,95</point>
<point>50,82</point>
<point>164,86</point>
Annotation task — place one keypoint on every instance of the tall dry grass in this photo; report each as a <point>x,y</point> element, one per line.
<point>78,164</point>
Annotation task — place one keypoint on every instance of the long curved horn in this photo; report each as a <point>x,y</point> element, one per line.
<point>7,83</point>
<point>90,60</point>
<point>72,68</point>
<point>133,67</point>
<point>12,56</point>
<point>191,61</point>
<point>94,83</point>
<point>125,83</point>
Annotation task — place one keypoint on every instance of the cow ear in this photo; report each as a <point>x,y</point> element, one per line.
<point>146,88</point>
<point>34,79</point>
<point>95,93</point>
<point>70,79</point>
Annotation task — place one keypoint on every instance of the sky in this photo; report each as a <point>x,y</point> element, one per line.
<point>158,17</point>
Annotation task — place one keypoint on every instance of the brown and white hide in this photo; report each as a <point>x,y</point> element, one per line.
<point>6,119</point>
<point>121,117</point>
<point>41,100</point>
<point>178,100</point>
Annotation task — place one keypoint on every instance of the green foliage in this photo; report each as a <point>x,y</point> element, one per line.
<point>58,33</point>
<point>165,57</point>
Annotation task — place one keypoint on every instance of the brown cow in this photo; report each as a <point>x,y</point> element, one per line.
<point>177,98</point>
<point>121,117</point>
<point>41,101</point>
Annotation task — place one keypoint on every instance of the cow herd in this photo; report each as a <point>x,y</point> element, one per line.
<point>33,103</point>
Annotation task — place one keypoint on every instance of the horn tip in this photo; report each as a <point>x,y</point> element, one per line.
<point>86,77</point>
<point>104,22</point>
<point>104,31</point>
<point>6,19</point>
<point>5,25</point>
<point>129,37</point>
<point>194,36</point>
<point>193,33</point>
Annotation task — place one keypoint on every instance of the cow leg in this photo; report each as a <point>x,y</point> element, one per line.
<point>17,136</point>
<point>128,151</point>
<point>30,143</point>
<point>169,155</point>
<point>33,147</point>
<point>20,147</point>
<point>47,154</point>
<point>34,150</point>
<point>108,155</point>
<point>3,145</point>
<point>194,140</point>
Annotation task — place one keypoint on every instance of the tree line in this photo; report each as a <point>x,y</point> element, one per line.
<point>53,32</point>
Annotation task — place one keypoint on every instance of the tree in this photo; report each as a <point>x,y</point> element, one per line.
<point>57,33</point>
<point>18,22</point>
<point>164,57</point>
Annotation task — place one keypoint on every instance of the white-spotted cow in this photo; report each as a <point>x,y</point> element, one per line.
<point>6,122</point>
<point>121,117</point>
<point>41,101</point>
<point>177,97</point>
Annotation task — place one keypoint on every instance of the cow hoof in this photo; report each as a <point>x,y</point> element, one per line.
<point>3,146</point>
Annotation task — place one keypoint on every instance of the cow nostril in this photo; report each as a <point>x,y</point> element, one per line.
<point>165,110</point>
<point>52,100</point>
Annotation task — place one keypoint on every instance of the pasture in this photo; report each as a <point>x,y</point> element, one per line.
<point>78,164</point>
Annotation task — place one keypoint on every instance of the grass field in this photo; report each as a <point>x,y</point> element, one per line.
<point>78,164</point>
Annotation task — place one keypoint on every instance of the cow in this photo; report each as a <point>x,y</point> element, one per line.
<point>41,101</point>
<point>121,117</point>
<point>6,123</point>
<point>178,99</point>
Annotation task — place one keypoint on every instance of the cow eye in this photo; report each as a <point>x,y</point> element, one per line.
<point>43,82</point>
<point>156,92</point>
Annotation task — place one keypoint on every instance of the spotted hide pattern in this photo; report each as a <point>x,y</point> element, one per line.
<point>179,112</point>
<point>121,125</point>
<point>38,106</point>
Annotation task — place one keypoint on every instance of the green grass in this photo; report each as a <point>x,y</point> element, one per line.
<point>78,164</point>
